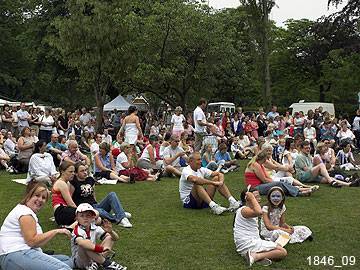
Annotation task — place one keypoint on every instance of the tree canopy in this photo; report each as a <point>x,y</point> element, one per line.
<point>77,52</point>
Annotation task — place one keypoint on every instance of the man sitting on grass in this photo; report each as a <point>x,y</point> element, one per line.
<point>194,195</point>
<point>173,154</point>
<point>306,172</point>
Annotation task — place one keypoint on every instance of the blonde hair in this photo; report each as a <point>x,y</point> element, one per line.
<point>260,156</point>
<point>319,146</point>
<point>32,189</point>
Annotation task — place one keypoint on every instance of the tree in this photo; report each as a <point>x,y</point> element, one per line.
<point>350,12</point>
<point>185,49</point>
<point>13,61</point>
<point>258,15</point>
<point>92,40</point>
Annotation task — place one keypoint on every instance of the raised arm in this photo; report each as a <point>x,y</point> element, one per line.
<point>253,209</point>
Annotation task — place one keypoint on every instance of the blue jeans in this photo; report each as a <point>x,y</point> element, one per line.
<point>32,259</point>
<point>110,202</point>
<point>215,165</point>
<point>289,190</point>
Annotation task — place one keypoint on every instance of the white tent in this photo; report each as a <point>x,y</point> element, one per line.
<point>16,103</point>
<point>118,103</point>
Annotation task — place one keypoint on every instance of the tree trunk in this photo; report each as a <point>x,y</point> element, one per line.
<point>323,91</point>
<point>267,79</point>
<point>100,101</point>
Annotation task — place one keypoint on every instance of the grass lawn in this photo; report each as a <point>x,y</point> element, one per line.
<point>166,236</point>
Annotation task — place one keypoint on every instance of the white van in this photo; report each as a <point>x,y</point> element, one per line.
<point>305,106</point>
<point>221,107</point>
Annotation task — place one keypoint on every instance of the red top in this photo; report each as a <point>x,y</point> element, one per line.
<point>57,198</point>
<point>252,179</point>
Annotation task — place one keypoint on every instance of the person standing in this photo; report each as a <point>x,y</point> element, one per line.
<point>177,122</point>
<point>356,128</point>
<point>131,126</point>
<point>46,127</point>
<point>200,123</point>
<point>23,117</point>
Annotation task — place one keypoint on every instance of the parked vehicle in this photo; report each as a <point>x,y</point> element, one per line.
<point>305,106</point>
<point>221,107</point>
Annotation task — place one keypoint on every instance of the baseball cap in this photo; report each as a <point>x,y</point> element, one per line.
<point>83,207</point>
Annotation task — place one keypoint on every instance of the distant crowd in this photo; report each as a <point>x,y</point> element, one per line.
<point>65,151</point>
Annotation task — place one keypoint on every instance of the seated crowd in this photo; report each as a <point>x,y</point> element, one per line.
<point>62,151</point>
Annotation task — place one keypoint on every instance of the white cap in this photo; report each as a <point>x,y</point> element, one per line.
<point>83,207</point>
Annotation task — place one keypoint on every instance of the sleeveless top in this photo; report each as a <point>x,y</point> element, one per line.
<point>25,154</point>
<point>252,179</point>
<point>145,154</point>
<point>104,160</point>
<point>57,198</point>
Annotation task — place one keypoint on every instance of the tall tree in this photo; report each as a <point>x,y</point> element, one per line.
<point>183,49</point>
<point>258,11</point>
<point>92,40</point>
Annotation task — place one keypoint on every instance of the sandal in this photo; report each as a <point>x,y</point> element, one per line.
<point>314,188</point>
<point>305,193</point>
<point>335,184</point>
<point>264,262</point>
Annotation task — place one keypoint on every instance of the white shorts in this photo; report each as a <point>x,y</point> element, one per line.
<point>257,245</point>
<point>287,179</point>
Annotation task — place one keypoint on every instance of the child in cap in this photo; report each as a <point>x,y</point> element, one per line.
<point>86,253</point>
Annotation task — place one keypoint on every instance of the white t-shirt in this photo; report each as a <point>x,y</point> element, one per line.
<point>11,238</point>
<point>107,139</point>
<point>85,118</point>
<point>199,116</point>
<point>9,147</point>
<point>48,121</point>
<point>94,149</point>
<point>41,165</point>
<point>186,186</point>
<point>170,152</point>
<point>121,158</point>
<point>178,120</point>
<point>346,134</point>
<point>310,133</point>
<point>244,142</point>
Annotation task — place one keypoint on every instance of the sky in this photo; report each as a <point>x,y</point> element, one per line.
<point>287,9</point>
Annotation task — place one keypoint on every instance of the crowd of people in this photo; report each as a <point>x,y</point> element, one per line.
<point>65,152</point>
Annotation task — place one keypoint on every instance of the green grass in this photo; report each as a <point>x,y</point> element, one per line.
<point>166,236</point>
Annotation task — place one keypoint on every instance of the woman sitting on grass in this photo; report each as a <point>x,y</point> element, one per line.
<point>246,232</point>
<point>147,159</point>
<point>346,158</point>
<point>208,159</point>
<point>323,156</point>
<point>125,165</point>
<point>21,235</point>
<point>257,177</point>
<point>82,189</point>
<point>63,205</point>
<point>283,173</point>
<point>41,165</point>
<point>104,166</point>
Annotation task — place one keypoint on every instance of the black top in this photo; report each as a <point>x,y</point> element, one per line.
<point>84,191</point>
